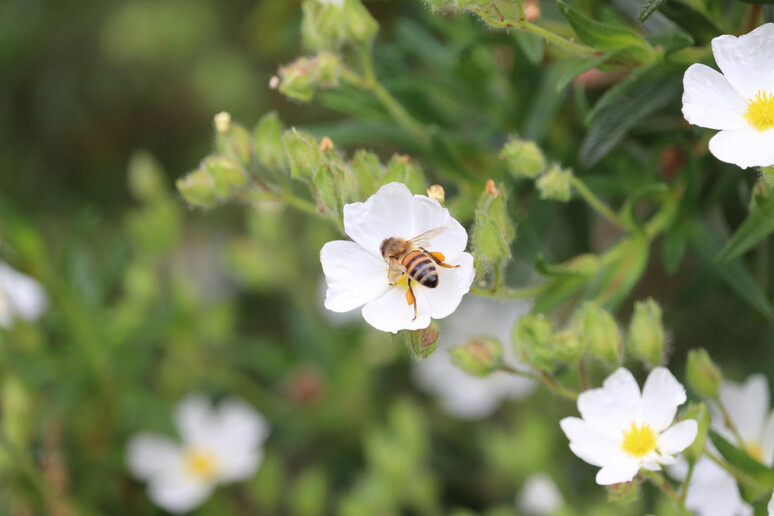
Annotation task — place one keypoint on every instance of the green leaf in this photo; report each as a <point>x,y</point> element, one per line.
<point>706,245</point>
<point>694,22</point>
<point>758,225</point>
<point>743,462</point>
<point>624,265</point>
<point>531,44</point>
<point>673,248</point>
<point>648,8</point>
<point>574,67</point>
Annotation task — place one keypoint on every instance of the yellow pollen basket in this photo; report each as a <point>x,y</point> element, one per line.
<point>754,450</point>
<point>760,111</point>
<point>639,441</point>
<point>201,463</point>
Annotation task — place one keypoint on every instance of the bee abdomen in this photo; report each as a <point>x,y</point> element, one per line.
<point>421,269</point>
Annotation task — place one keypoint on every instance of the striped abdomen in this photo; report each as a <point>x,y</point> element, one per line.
<point>421,269</point>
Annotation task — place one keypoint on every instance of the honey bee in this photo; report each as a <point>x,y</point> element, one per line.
<point>410,257</point>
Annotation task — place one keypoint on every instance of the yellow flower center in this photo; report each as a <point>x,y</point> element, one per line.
<point>760,111</point>
<point>201,463</point>
<point>754,450</point>
<point>639,441</point>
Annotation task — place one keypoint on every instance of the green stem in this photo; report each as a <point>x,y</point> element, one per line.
<point>503,22</point>
<point>596,203</point>
<point>687,481</point>
<point>664,217</point>
<point>659,481</point>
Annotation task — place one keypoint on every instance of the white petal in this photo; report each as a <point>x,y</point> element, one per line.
<point>240,464</point>
<point>178,493</point>
<point>238,434</point>
<point>618,472</point>
<point>678,437</point>
<point>151,454</point>
<point>613,407</point>
<point>770,507</point>
<point>747,61</point>
<point>539,496</point>
<point>22,295</point>
<point>390,312</point>
<point>193,419</point>
<point>713,491</point>
<point>746,147</point>
<point>354,276</point>
<point>429,214</point>
<point>747,405</point>
<point>767,442</point>
<point>387,213</point>
<point>661,395</point>
<point>590,444</point>
<point>710,101</point>
<point>452,285</point>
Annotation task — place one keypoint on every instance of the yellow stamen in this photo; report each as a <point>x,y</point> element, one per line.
<point>754,450</point>
<point>760,111</point>
<point>201,463</point>
<point>639,441</point>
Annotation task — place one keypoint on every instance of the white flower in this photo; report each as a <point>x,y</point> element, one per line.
<point>357,274</point>
<point>20,297</point>
<point>464,395</point>
<point>222,444</point>
<point>623,430</point>
<point>712,491</point>
<point>539,496</point>
<point>740,101</point>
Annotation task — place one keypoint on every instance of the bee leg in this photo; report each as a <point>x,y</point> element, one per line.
<point>410,299</point>
<point>439,258</point>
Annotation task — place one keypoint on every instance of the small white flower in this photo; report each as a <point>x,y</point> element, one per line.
<point>21,297</point>
<point>740,101</point>
<point>539,496</point>
<point>357,273</point>
<point>461,394</point>
<point>712,490</point>
<point>623,430</point>
<point>219,445</point>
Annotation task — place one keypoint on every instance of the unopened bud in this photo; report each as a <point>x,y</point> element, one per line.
<point>146,180</point>
<point>437,192</point>
<point>598,332</point>
<point>303,154</point>
<point>300,78</point>
<point>367,170</point>
<point>523,157</point>
<point>269,149</point>
<point>701,415</point>
<point>767,173</point>
<point>479,357</point>
<point>494,232</point>
<point>361,26</point>
<point>569,346</point>
<point>703,375</point>
<point>533,341</point>
<point>197,188</point>
<point>555,184</point>
<point>402,170</point>
<point>646,333</point>
<point>623,493</point>
<point>227,175</point>
<point>222,122</point>
<point>423,342</point>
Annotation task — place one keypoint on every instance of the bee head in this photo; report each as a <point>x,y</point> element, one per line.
<point>392,247</point>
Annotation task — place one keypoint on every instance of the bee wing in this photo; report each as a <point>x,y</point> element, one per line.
<point>423,240</point>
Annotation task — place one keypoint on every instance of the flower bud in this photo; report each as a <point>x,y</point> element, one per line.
<point>533,341</point>
<point>523,157</point>
<point>146,180</point>
<point>569,346</point>
<point>303,154</point>
<point>555,184</point>
<point>323,25</point>
<point>269,149</point>
<point>233,141</point>
<point>700,413</point>
<point>197,188</point>
<point>422,342</point>
<point>226,173</point>
<point>361,26</point>
<point>300,78</point>
<point>402,170</point>
<point>646,333</point>
<point>367,170</point>
<point>623,493</point>
<point>494,232</point>
<point>479,357</point>
<point>598,332</point>
<point>767,173</point>
<point>703,375</point>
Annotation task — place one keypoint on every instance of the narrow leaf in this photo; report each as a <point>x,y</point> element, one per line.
<point>648,8</point>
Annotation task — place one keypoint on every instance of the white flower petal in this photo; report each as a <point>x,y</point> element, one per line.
<point>712,490</point>
<point>770,507</point>
<point>539,496</point>
<point>617,472</point>
<point>193,419</point>
<point>354,276</point>
<point>387,213</point>
<point>178,493</point>
<point>391,312</point>
<point>238,432</point>
<point>661,395</point>
<point>710,101</point>
<point>613,407</point>
<point>747,405</point>
<point>746,147</point>
<point>452,285</point>
<point>20,296</point>
<point>239,463</point>
<point>590,444</point>
<point>678,437</point>
<point>747,61</point>
<point>429,214</point>
<point>150,454</point>
<point>767,442</point>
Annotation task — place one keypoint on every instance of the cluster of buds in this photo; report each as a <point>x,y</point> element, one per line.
<point>329,24</point>
<point>494,231</point>
<point>525,160</point>
<point>302,77</point>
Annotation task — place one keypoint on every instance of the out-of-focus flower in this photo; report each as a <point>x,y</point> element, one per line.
<point>219,445</point>
<point>712,490</point>
<point>357,273</point>
<point>338,3</point>
<point>623,430</point>
<point>539,496</point>
<point>740,101</point>
<point>21,297</point>
<point>771,506</point>
<point>461,394</point>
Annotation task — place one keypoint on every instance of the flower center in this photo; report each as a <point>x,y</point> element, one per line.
<point>754,450</point>
<point>760,111</point>
<point>201,463</point>
<point>639,441</point>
